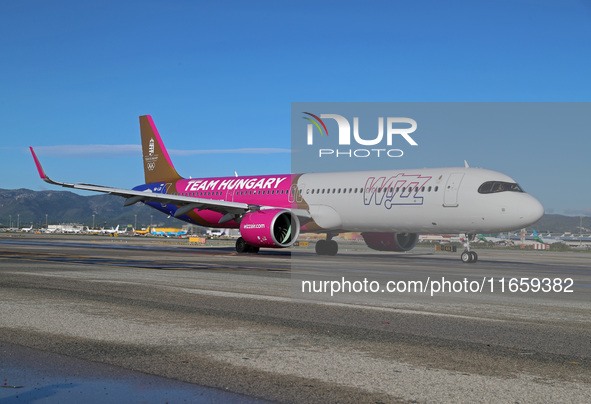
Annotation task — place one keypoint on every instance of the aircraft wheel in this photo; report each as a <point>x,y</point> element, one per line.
<point>466,257</point>
<point>241,246</point>
<point>474,256</point>
<point>327,247</point>
<point>333,247</point>
<point>321,247</point>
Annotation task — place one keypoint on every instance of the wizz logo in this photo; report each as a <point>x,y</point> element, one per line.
<point>400,189</point>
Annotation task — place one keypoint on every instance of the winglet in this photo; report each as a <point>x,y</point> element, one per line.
<point>44,176</point>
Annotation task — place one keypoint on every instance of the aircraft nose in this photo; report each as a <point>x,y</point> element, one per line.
<point>532,211</point>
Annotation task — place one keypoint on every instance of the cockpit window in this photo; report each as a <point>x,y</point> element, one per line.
<point>491,187</point>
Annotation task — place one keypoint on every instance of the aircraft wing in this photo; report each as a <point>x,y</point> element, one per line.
<point>185,203</point>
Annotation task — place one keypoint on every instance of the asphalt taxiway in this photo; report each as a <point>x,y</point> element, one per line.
<point>240,323</point>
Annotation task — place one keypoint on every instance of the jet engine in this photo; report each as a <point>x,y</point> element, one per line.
<point>274,228</point>
<point>390,241</point>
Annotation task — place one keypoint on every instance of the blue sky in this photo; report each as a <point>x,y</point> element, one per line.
<point>220,77</point>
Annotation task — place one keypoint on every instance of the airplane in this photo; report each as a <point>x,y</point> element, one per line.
<point>124,231</point>
<point>168,231</point>
<point>111,230</point>
<point>389,207</point>
<point>546,240</point>
<point>216,233</point>
<point>26,229</point>
<point>142,232</point>
<point>102,230</point>
<point>490,239</point>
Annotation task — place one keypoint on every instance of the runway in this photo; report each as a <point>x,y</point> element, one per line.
<point>241,323</point>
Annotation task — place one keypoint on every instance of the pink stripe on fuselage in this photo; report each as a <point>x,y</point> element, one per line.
<point>159,140</point>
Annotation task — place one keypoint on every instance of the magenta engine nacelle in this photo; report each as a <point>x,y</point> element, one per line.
<point>275,228</point>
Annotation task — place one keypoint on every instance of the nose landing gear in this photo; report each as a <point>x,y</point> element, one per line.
<point>468,256</point>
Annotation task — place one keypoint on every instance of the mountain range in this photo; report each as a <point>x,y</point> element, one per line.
<point>30,207</point>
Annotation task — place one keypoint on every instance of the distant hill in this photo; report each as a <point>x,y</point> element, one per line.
<point>561,224</point>
<point>68,207</point>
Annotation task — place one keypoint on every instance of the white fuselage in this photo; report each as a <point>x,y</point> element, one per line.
<point>440,200</point>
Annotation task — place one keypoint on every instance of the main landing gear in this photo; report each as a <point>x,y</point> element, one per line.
<point>468,256</point>
<point>328,246</point>
<point>243,247</point>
